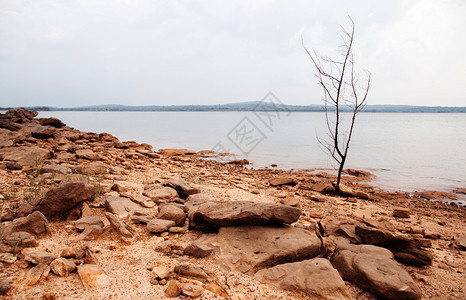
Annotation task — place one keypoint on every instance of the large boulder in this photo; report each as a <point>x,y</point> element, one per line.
<point>35,223</point>
<point>233,213</point>
<point>64,197</point>
<point>26,156</point>
<point>374,268</point>
<point>316,278</point>
<point>250,248</point>
<point>406,249</point>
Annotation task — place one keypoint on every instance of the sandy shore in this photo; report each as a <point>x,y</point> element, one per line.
<point>133,166</point>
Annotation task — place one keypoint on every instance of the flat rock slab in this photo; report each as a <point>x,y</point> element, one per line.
<point>250,248</point>
<point>374,268</point>
<point>315,277</point>
<point>27,156</point>
<point>38,256</point>
<point>93,276</point>
<point>233,213</point>
<point>277,181</point>
<point>123,207</point>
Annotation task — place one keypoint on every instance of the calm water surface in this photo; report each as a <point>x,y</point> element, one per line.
<point>407,152</point>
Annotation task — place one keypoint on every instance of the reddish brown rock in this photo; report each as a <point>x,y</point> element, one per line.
<point>277,181</point>
<point>317,279</point>
<point>62,267</point>
<point>250,248</point>
<point>173,289</point>
<point>233,213</point>
<point>64,197</point>
<point>93,276</point>
<point>26,156</point>
<point>172,212</point>
<point>401,212</point>
<point>373,268</point>
<point>35,223</point>
<point>176,152</point>
<point>197,249</point>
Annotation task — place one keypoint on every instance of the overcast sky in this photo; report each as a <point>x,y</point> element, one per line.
<point>148,52</point>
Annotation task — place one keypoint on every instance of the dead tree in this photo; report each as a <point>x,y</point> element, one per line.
<point>342,89</point>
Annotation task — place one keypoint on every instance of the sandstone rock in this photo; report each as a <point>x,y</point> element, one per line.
<point>5,285</point>
<point>41,132</point>
<point>54,122</point>
<point>277,181</point>
<point>161,272</point>
<point>343,228</point>
<point>93,276</point>
<point>26,156</point>
<point>323,187</point>
<point>191,272</point>
<point>35,223</point>
<point>36,275</point>
<point>20,239</point>
<point>191,290</point>
<point>20,115</point>
<point>141,219</point>
<point>173,213</point>
<point>173,289</point>
<point>316,278</point>
<point>291,201</point>
<point>242,213</point>
<point>55,169</point>
<point>197,249</point>
<point>14,166</point>
<point>373,268</point>
<point>461,241</point>
<point>159,225</point>
<point>86,154</point>
<point>82,223</point>
<point>62,266</point>
<point>406,249</point>
<point>73,252</point>
<point>123,207</point>
<point>215,288</point>
<point>401,212</point>
<point>176,152</point>
<point>161,194</point>
<point>250,248</point>
<point>124,229</point>
<point>38,256</point>
<point>7,258</point>
<point>183,188</point>
<point>64,197</point>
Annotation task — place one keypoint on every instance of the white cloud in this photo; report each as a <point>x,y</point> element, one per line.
<point>174,52</point>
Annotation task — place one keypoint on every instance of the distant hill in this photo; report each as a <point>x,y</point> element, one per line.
<point>251,106</point>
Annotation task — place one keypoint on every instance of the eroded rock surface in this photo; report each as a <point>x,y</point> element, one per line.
<point>315,277</point>
<point>250,248</point>
<point>233,213</point>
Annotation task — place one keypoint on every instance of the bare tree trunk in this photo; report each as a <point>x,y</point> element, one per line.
<point>341,87</point>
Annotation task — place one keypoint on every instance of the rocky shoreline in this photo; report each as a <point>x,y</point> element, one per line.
<point>86,216</point>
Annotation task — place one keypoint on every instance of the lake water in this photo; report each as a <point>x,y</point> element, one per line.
<point>407,152</point>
